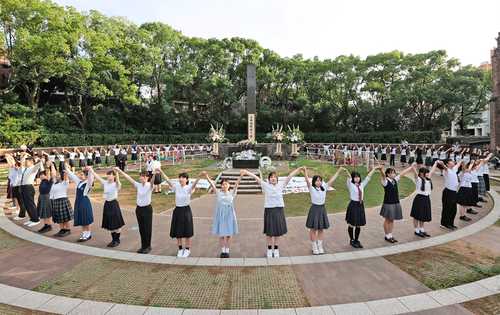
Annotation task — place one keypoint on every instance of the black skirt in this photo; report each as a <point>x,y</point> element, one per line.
<point>112,218</point>
<point>72,162</point>
<point>182,223</point>
<point>428,161</point>
<point>82,163</point>
<point>157,180</point>
<point>274,221</point>
<point>355,214</point>
<point>10,194</point>
<point>317,218</point>
<point>98,160</point>
<point>134,156</point>
<point>420,160</point>
<point>421,208</point>
<point>411,160</point>
<point>465,197</point>
<point>383,157</point>
<point>403,158</point>
<point>475,193</point>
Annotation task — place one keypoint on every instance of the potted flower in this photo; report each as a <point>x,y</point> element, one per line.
<point>216,135</point>
<point>294,136</point>
<point>278,136</point>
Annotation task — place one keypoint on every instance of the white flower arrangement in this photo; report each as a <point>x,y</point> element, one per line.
<point>294,135</point>
<point>277,134</point>
<point>217,134</point>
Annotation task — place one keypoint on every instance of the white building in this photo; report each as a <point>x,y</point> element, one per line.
<point>480,129</point>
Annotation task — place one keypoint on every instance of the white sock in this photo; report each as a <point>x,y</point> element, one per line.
<point>227,250</point>
<point>388,235</point>
<point>422,229</point>
<point>320,242</point>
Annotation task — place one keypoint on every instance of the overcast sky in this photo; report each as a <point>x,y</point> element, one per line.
<point>465,29</point>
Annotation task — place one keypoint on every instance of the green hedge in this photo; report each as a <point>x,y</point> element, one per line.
<point>82,139</point>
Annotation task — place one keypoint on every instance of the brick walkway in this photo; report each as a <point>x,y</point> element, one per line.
<point>250,242</point>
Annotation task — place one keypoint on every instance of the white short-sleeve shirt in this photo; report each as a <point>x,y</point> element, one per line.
<point>273,195</point>
<point>182,194</point>
<point>144,192</point>
<point>318,196</point>
<point>451,178</point>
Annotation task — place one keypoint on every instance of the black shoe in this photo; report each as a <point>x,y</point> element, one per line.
<point>453,227</point>
<point>465,218</point>
<point>425,234</point>
<point>46,228</point>
<point>59,234</point>
<point>354,244</point>
<point>419,234</point>
<point>478,206</point>
<point>113,243</point>
<point>144,250</point>
<point>482,200</point>
<point>65,232</point>
<point>358,243</point>
<point>391,240</point>
<point>472,211</point>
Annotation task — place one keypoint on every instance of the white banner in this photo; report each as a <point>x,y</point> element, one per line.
<point>296,185</point>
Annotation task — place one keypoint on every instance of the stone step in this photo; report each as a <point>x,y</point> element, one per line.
<point>495,178</point>
<point>245,187</point>
<point>249,191</point>
<point>243,179</point>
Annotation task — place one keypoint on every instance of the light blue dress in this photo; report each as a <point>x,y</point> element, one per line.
<point>225,217</point>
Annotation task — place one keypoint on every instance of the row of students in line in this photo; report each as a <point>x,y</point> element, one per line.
<point>225,219</point>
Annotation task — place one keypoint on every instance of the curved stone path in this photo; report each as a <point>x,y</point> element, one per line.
<point>248,247</point>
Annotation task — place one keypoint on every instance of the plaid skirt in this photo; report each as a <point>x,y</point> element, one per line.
<point>61,210</point>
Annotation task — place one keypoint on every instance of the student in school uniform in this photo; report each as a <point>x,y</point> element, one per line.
<point>97,157</point>
<point>403,156</point>
<point>274,209</point>
<point>107,156</point>
<point>392,158</point>
<point>133,151</point>
<point>149,166</point>
<point>72,159</point>
<point>83,214</point>
<point>82,161</point>
<point>157,180</point>
<point>391,208</point>
<point>44,205</point>
<point>449,196</point>
<point>317,217</point>
<point>112,219</point>
<point>89,153</point>
<point>62,212</point>
<point>428,157</point>
<point>412,156</point>
<point>384,153</point>
<point>13,182</point>
<point>465,194</point>
<point>421,210</point>
<point>143,210</point>
<point>355,215</point>
<point>224,224</point>
<point>181,227</point>
<point>28,173</point>
<point>419,159</point>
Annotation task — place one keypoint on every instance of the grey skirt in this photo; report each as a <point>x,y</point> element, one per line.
<point>44,206</point>
<point>274,221</point>
<point>392,211</point>
<point>317,219</point>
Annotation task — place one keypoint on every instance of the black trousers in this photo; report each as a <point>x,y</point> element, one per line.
<point>16,190</point>
<point>28,196</point>
<point>486,181</point>
<point>449,200</point>
<point>392,160</point>
<point>145,219</point>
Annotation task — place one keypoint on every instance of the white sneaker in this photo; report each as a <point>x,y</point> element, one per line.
<point>315,249</point>
<point>27,222</point>
<point>276,253</point>
<point>18,218</point>
<point>321,250</point>
<point>186,253</point>
<point>32,224</point>
<point>269,253</point>
<point>180,253</point>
